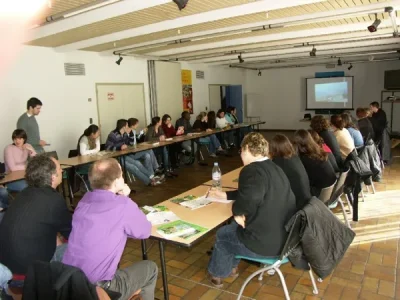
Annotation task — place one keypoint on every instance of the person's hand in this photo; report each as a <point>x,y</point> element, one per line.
<point>241,220</point>
<point>209,130</point>
<point>42,143</point>
<point>123,147</point>
<point>162,138</point>
<point>214,193</point>
<point>169,125</point>
<point>145,130</point>
<point>125,191</point>
<point>30,149</point>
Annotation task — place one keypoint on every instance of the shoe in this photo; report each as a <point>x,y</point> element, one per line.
<point>160,178</point>
<point>154,183</point>
<point>221,151</point>
<point>232,146</point>
<point>234,273</point>
<point>171,172</point>
<point>215,281</point>
<point>159,171</point>
<point>213,155</point>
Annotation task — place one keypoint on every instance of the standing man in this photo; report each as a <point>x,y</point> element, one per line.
<point>378,119</point>
<point>28,123</point>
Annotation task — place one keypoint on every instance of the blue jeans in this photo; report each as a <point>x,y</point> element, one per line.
<point>213,141</point>
<point>138,170</point>
<point>146,157</point>
<point>16,186</point>
<point>227,245</point>
<point>3,197</point>
<point>163,151</point>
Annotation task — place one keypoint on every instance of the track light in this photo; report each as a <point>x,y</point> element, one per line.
<point>259,73</point>
<point>350,67</point>
<point>241,60</point>
<point>339,62</point>
<point>181,3</point>
<point>374,26</point>
<point>313,52</point>
<point>118,62</point>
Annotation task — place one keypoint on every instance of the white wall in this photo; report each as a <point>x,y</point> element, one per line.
<point>283,91</point>
<point>39,72</point>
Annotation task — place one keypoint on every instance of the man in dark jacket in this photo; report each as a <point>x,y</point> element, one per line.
<point>378,119</point>
<point>324,241</point>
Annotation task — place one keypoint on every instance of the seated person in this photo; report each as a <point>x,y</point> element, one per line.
<point>231,115</point>
<point>154,134</point>
<point>147,157</point>
<point>353,130</point>
<point>342,135</point>
<point>201,124</point>
<point>29,230</point>
<point>186,127</point>
<point>263,204</point>
<point>321,125</point>
<point>364,124</point>
<point>170,132</point>
<point>319,170</point>
<point>316,137</point>
<point>282,153</point>
<point>16,156</point>
<point>3,201</point>
<point>222,123</point>
<point>96,246</point>
<point>118,140</point>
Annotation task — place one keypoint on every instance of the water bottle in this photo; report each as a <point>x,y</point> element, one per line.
<point>216,176</point>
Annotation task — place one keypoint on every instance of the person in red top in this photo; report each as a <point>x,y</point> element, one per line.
<point>326,149</point>
<point>170,132</point>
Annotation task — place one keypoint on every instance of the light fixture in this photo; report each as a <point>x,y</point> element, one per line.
<point>241,60</point>
<point>259,73</point>
<point>118,62</point>
<point>313,52</point>
<point>181,3</point>
<point>74,13</point>
<point>339,62</point>
<point>392,16</point>
<point>374,26</point>
<point>350,67</point>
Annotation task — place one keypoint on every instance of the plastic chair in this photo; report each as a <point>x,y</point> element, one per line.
<point>338,192</point>
<point>272,265</point>
<point>206,144</point>
<point>326,193</point>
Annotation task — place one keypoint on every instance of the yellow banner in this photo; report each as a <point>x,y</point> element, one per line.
<point>186,77</point>
<point>187,91</point>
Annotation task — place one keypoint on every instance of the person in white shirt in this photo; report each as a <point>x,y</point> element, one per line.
<point>89,142</point>
<point>221,123</point>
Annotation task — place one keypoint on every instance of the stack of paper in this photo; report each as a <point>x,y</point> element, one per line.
<point>157,215</point>
<point>180,229</point>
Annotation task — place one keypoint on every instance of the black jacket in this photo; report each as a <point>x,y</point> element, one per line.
<point>371,158</point>
<point>324,239</point>
<point>330,140</point>
<point>45,281</point>
<point>366,129</point>
<point>264,197</point>
<point>379,123</point>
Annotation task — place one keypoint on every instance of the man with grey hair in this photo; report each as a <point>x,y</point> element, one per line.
<point>29,230</point>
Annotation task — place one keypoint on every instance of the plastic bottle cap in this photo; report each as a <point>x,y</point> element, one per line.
<point>215,164</point>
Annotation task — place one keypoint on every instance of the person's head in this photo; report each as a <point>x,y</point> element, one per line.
<point>33,106</point>
<point>43,170</point>
<point>211,115</point>
<point>185,115</point>
<point>166,119</point>
<point>221,114</point>
<point>106,174</point>
<point>19,137</point>
<point>337,122</point>
<point>362,112</point>
<point>122,126</point>
<point>374,106</point>
<point>254,146</point>
<point>306,145</point>
<point>133,123</point>
<point>231,110</point>
<point>319,123</point>
<point>202,117</point>
<point>316,137</point>
<point>155,121</point>
<point>92,132</point>
<point>280,146</point>
<point>347,121</point>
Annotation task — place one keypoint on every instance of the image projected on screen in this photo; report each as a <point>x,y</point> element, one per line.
<point>331,92</point>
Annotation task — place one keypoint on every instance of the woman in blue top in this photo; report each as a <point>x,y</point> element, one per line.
<point>353,130</point>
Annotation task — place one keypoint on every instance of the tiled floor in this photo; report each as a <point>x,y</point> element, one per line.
<point>368,270</point>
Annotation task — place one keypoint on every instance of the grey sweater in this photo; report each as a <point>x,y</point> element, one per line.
<point>31,127</point>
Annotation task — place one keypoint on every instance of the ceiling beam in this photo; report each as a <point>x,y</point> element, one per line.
<point>229,12</point>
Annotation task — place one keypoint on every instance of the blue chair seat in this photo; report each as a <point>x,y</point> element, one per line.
<point>264,261</point>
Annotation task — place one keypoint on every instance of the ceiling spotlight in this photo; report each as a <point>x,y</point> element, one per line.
<point>181,3</point>
<point>259,73</point>
<point>350,67</point>
<point>374,26</point>
<point>241,60</point>
<point>118,62</point>
<point>339,62</point>
<point>313,52</point>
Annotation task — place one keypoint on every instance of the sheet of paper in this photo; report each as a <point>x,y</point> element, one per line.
<point>161,217</point>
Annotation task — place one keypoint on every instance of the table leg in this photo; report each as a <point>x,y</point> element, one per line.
<point>124,165</point>
<point>144,249</point>
<point>71,193</point>
<point>164,270</point>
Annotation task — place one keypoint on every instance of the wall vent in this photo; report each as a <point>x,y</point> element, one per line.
<point>200,74</point>
<point>72,69</point>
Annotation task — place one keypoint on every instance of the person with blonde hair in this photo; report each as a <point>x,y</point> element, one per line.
<point>201,124</point>
<point>264,202</point>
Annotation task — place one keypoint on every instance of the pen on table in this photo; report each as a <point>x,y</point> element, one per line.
<point>208,192</point>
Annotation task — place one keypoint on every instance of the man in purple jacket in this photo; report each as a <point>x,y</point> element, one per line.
<point>102,222</point>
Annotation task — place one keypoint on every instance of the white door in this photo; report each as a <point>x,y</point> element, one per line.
<point>215,97</point>
<point>119,101</point>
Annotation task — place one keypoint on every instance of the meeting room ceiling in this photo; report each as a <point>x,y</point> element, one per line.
<point>264,33</point>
